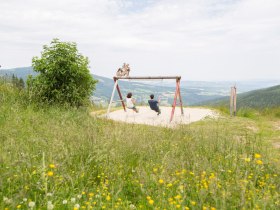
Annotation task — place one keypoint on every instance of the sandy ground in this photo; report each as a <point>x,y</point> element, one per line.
<point>149,117</point>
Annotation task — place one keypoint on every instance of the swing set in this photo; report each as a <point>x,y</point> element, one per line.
<point>177,91</point>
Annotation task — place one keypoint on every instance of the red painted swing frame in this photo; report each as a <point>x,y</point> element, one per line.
<point>177,91</point>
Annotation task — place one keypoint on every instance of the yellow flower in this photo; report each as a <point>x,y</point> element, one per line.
<point>52,166</point>
<point>193,203</point>
<point>169,185</point>
<point>213,208</point>
<point>108,198</point>
<point>91,194</point>
<point>149,198</point>
<point>178,206</point>
<point>187,208</point>
<point>259,162</point>
<point>155,170</point>
<point>18,206</point>
<point>50,173</point>
<point>161,181</point>
<point>247,159</point>
<point>178,197</point>
<point>258,155</point>
<point>151,202</point>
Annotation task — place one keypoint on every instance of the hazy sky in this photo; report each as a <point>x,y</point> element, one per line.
<point>198,39</point>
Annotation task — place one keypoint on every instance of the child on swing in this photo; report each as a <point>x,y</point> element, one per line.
<point>154,104</point>
<point>130,103</point>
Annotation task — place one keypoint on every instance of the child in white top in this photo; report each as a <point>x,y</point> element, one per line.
<point>130,102</point>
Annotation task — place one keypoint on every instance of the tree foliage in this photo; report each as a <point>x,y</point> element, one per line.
<point>64,75</point>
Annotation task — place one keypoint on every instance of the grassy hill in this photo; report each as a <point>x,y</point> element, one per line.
<point>260,99</point>
<point>58,158</point>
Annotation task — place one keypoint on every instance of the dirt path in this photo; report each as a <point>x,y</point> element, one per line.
<point>149,117</point>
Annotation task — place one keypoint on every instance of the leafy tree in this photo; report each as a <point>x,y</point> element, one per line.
<point>64,75</point>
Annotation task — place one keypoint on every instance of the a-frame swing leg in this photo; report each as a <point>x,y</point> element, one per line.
<point>120,95</point>
<point>111,100</point>
<point>180,97</point>
<point>174,102</point>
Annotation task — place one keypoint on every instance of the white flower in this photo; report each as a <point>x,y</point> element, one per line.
<point>73,200</point>
<point>7,200</point>
<point>25,199</point>
<point>64,202</point>
<point>77,206</point>
<point>131,206</point>
<point>50,206</point>
<point>79,196</point>
<point>49,194</point>
<point>31,204</point>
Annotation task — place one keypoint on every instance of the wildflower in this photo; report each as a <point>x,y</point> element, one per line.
<point>52,166</point>
<point>169,185</point>
<point>77,206</point>
<point>187,208</point>
<point>79,196</point>
<point>161,181</point>
<point>258,155</point>
<point>18,206</point>
<point>7,200</point>
<point>24,199</point>
<point>149,198</point>
<point>108,197</point>
<point>213,208</point>
<point>73,200</point>
<point>193,203</point>
<point>50,173</point>
<point>31,204</point>
<point>64,202</point>
<point>83,193</point>
<point>91,194</point>
<point>151,202</point>
<point>181,187</point>
<point>50,206</point>
<point>247,159</point>
<point>259,162</point>
<point>178,206</point>
<point>131,206</point>
<point>178,197</point>
<point>49,194</point>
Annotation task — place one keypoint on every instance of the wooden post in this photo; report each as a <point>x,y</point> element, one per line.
<point>174,102</point>
<point>233,96</point>
<point>180,97</point>
<point>111,100</point>
<point>234,100</point>
<point>120,95</point>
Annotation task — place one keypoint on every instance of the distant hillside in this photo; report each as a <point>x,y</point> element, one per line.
<point>104,87</point>
<point>193,92</point>
<point>262,98</point>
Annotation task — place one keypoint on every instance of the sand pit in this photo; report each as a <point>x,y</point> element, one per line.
<point>149,117</point>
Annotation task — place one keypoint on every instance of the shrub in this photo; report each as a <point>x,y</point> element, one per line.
<point>64,75</point>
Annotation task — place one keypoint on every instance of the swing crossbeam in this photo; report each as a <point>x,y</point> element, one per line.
<point>177,91</point>
<point>144,78</point>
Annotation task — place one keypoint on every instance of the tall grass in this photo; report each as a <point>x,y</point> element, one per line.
<point>58,158</point>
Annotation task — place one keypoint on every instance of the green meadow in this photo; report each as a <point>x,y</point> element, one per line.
<point>55,157</point>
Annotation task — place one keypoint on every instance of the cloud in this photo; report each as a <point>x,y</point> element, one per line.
<point>199,39</point>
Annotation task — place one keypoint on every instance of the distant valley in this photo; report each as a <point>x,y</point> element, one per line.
<point>193,92</point>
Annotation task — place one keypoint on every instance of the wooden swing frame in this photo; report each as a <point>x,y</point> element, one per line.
<point>177,91</point>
